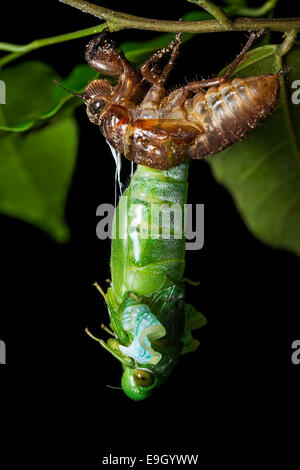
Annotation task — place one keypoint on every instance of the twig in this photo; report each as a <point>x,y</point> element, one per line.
<point>215,11</point>
<point>117,20</point>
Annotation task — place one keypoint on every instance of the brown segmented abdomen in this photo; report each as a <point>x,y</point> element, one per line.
<point>229,111</point>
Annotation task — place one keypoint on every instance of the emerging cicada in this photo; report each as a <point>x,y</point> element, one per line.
<point>150,321</point>
<point>162,130</point>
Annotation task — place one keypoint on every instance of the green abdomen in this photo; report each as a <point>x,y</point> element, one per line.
<point>149,245</point>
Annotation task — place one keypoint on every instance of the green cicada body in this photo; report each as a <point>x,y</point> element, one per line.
<point>146,300</point>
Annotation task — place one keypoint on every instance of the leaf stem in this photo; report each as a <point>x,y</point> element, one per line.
<point>215,11</point>
<point>287,113</point>
<point>287,44</point>
<point>260,11</point>
<point>19,50</point>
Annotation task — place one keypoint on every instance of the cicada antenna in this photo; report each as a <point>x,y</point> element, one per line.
<point>67,90</point>
<point>114,388</point>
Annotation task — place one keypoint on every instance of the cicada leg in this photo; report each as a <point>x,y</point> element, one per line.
<point>134,296</point>
<point>116,325</point>
<point>115,322</point>
<point>157,91</point>
<point>195,86</point>
<point>100,290</point>
<point>147,68</point>
<point>112,348</point>
<point>241,56</point>
<point>175,46</point>
<point>102,55</point>
<point>193,321</point>
<point>105,328</point>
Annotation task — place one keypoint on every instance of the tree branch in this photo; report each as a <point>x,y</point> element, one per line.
<point>117,21</point>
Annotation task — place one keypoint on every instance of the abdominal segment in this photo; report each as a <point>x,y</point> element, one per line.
<point>230,111</point>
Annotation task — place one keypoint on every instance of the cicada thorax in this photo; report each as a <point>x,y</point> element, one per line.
<point>114,125</point>
<point>229,111</point>
<point>159,143</point>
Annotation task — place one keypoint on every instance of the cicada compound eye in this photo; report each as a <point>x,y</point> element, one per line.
<point>143,378</point>
<point>95,109</point>
<point>95,106</point>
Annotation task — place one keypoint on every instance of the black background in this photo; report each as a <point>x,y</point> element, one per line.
<point>230,394</point>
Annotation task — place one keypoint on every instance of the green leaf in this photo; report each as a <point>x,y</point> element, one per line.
<point>29,92</point>
<point>35,97</point>
<point>262,172</point>
<point>36,166</point>
<point>35,173</point>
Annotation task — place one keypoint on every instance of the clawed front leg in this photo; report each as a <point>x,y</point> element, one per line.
<point>102,56</point>
<point>147,69</point>
<point>157,92</point>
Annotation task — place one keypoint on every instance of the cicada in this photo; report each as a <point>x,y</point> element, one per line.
<point>150,321</point>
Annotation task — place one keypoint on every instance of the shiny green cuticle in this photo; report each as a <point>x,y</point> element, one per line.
<point>149,317</point>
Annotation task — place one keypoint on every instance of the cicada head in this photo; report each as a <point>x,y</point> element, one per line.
<point>141,344</point>
<point>97,98</point>
<point>138,383</point>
